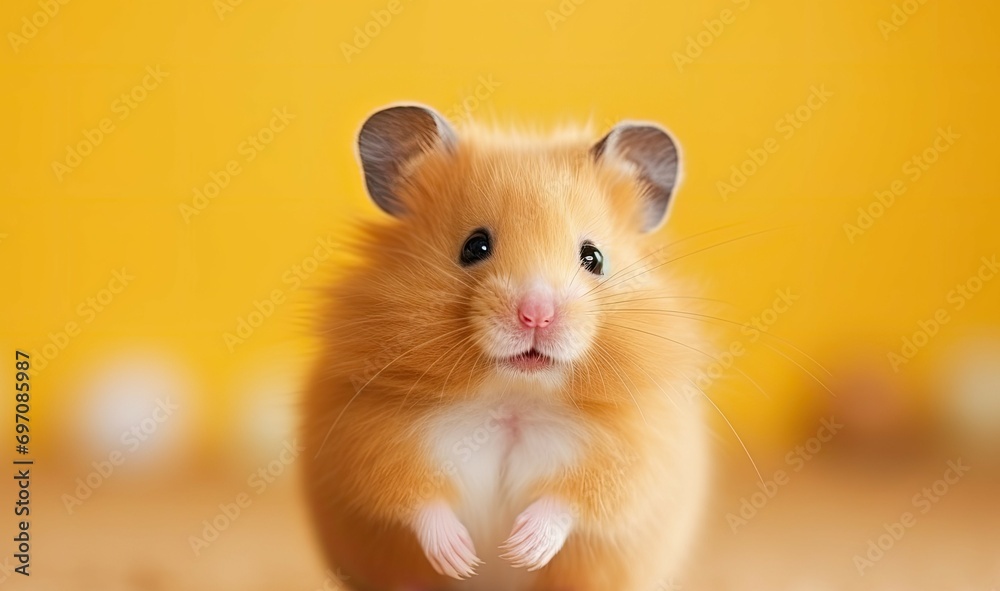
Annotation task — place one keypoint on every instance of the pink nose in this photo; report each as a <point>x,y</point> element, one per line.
<point>536,310</point>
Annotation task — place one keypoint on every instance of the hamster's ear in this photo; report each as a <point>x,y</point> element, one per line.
<point>391,142</point>
<point>652,156</point>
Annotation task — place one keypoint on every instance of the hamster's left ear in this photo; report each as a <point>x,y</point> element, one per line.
<point>653,157</point>
<point>391,142</point>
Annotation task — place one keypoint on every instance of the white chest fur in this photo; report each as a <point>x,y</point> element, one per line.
<point>495,451</point>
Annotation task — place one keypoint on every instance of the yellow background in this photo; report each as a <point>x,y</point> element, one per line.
<point>61,239</point>
<point>599,61</point>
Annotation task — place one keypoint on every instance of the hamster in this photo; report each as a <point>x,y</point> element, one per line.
<point>491,408</point>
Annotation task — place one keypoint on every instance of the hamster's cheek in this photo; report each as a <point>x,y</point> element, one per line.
<point>573,334</point>
<point>492,316</point>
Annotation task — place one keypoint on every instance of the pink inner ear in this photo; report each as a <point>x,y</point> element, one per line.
<point>656,160</point>
<point>390,141</point>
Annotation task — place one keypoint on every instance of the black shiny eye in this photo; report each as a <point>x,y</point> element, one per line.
<point>591,258</point>
<point>477,248</point>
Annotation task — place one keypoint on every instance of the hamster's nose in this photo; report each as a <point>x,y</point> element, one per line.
<point>536,310</point>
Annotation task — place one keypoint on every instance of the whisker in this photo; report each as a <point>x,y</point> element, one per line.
<point>378,319</point>
<point>457,361</point>
<point>573,278</point>
<point>731,427</point>
<point>370,380</point>
<point>711,432</point>
<point>696,315</point>
<point>600,374</point>
<point>600,350</point>
<point>605,285</point>
<point>652,334</point>
<point>705,317</point>
<point>671,297</point>
<point>428,368</point>
<point>572,378</point>
<point>660,249</point>
<point>475,365</point>
<point>660,388</point>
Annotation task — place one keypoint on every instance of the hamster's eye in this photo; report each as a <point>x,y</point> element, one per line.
<point>477,248</point>
<point>591,258</point>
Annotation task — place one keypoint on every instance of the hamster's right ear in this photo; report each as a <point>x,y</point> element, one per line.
<point>391,142</point>
<point>653,156</point>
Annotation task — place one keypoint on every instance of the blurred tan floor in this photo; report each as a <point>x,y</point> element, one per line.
<point>803,539</point>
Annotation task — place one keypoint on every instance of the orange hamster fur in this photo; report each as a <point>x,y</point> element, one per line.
<point>496,403</point>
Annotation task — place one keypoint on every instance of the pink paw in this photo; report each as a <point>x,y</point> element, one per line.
<point>445,541</point>
<point>539,533</point>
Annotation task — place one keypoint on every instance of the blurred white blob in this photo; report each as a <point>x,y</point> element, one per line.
<point>970,384</point>
<point>266,401</point>
<point>140,402</point>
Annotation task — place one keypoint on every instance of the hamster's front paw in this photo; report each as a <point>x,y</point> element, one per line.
<point>539,533</point>
<point>445,541</point>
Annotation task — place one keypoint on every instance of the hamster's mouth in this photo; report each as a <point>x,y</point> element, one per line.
<point>530,361</point>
